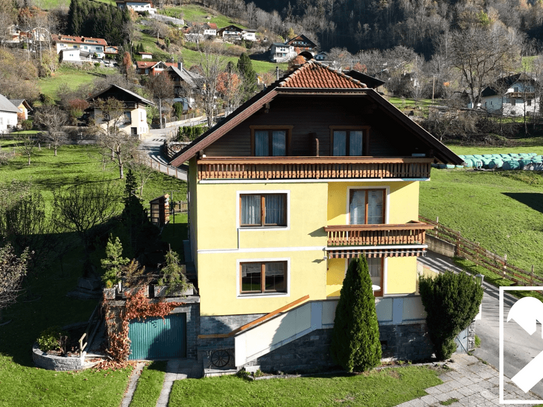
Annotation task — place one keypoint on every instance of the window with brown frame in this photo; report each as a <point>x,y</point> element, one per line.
<point>367,206</point>
<point>270,140</point>
<point>349,141</point>
<point>263,277</point>
<point>375,267</point>
<point>263,210</point>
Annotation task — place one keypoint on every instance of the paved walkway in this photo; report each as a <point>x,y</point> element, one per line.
<point>470,382</point>
<point>178,369</point>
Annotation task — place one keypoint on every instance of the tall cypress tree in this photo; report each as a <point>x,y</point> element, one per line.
<point>355,337</point>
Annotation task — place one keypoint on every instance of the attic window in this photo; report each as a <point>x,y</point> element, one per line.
<point>349,141</point>
<point>270,140</point>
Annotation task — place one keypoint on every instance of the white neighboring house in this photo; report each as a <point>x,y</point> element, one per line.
<point>139,6</point>
<point>134,117</point>
<point>248,35</point>
<point>8,115</point>
<point>85,45</point>
<point>70,55</point>
<point>513,95</point>
<point>281,52</point>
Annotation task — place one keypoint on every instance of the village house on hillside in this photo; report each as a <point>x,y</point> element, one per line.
<point>311,172</point>
<point>76,49</point>
<point>139,6</point>
<point>512,95</point>
<point>8,115</point>
<point>133,120</point>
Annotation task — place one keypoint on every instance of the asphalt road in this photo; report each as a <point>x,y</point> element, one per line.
<point>519,347</point>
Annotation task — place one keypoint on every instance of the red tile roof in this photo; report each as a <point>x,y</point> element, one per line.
<point>70,39</point>
<point>145,64</point>
<point>316,75</point>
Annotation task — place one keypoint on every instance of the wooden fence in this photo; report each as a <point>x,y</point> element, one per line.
<point>474,252</point>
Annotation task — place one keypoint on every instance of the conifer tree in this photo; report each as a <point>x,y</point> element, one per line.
<point>245,68</point>
<point>355,337</point>
<point>451,302</point>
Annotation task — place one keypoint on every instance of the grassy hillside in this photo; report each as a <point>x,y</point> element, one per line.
<point>74,77</point>
<point>198,14</point>
<point>501,210</point>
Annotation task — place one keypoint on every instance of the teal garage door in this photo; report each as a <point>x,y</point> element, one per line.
<point>157,338</point>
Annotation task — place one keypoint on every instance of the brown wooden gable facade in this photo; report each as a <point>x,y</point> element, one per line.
<point>308,105</point>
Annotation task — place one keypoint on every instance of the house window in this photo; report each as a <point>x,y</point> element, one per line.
<point>513,101</point>
<point>270,140</point>
<point>128,117</point>
<point>348,141</point>
<point>263,210</point>
<point>263,277</point>
<point>366,206</point>
<point>529,102</point>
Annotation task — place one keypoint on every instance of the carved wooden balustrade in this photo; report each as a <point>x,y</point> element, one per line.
<point>313,167</point>
<point>410,233</point>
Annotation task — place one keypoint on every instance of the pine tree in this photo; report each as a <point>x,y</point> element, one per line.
<point>355,337</point>
<point>114,262</point>
<point>245,68</point>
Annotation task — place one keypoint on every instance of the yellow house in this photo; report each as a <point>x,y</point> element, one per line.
<point>311,172</point>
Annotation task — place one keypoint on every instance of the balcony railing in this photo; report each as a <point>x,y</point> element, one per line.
<point>410,233</point>
<point>313,167</point>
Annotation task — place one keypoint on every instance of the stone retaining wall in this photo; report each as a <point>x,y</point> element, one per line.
<point>59,363</point>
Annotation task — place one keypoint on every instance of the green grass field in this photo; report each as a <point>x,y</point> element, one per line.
<point>198,14</point>
<point>501,210</point>
<point>388,387</point>
<point>72,76</point>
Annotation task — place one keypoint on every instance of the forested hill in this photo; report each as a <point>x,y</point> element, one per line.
<point>382,24</point>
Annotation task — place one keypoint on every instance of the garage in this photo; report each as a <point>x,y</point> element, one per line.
<point>157,338</point>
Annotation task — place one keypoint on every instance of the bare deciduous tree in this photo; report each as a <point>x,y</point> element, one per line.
<point>482,54</point>
<point>162,87</point>
<point>118,143</point>
<point>52,119</point>
<point>27,144</point>
<point>212,62</point>
<point>12,273</point>
<point>82,207</point>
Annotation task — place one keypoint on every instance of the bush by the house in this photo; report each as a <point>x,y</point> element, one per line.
<point>355,337</point>
<point>451,302</point>
<point>26,124</point>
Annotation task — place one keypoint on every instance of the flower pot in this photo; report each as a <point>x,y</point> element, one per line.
<point>160,291</point>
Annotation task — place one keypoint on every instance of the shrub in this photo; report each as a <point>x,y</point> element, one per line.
<point>451,302</point>
<point>49,339</point>
<point>178,109</point>
<point>355,337</point>
<point>26,124</point>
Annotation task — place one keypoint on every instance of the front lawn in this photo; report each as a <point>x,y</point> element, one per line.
<point>388,387</point>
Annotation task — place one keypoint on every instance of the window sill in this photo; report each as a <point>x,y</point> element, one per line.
<point>263,228</point>
<point>263,295</point>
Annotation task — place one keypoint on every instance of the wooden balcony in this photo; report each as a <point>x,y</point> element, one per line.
<point>269,168</point>
<point>412,233</point>
<point>521,95</point>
